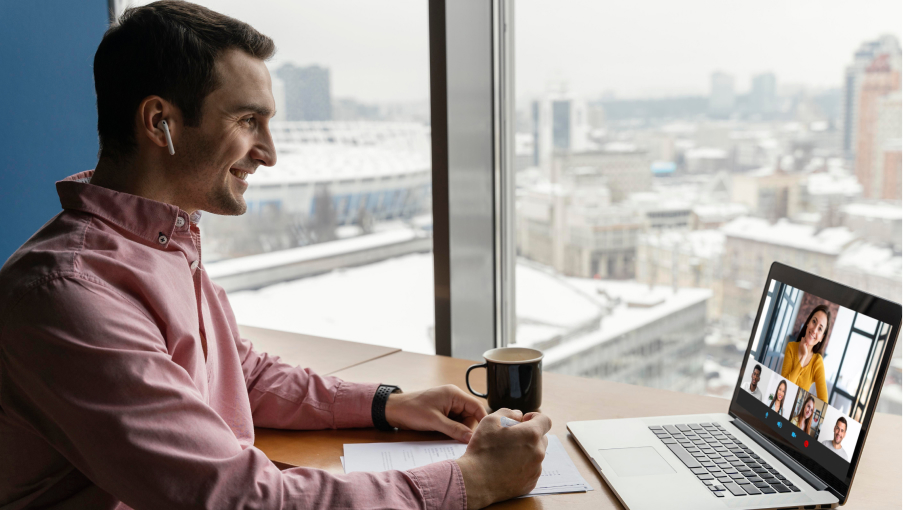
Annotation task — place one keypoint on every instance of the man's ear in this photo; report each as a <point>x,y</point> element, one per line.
<point>151,111</point>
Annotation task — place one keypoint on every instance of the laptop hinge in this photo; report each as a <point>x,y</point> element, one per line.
<point>789,461</point>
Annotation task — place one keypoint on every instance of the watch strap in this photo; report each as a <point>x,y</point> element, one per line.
<point>378,408</point>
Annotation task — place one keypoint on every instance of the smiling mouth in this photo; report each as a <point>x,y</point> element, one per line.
<point>238,173</point>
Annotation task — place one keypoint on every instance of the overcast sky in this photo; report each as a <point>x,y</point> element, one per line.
<point>377,50</point>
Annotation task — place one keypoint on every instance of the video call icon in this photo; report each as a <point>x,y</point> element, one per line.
<point>780,424</point>
<point>766,414</point>
<point>793,434</point>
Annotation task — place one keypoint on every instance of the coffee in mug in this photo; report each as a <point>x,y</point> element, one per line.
<point>513,378</point>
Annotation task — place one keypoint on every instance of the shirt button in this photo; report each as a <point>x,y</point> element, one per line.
<point>162,239</point>
<point>180,222</point>
<point>194,265</point>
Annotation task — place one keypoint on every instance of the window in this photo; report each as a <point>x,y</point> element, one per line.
<point>709,148</point>
<point>337,240</point>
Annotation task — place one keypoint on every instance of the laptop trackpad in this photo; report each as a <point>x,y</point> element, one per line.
<point>640,461</point>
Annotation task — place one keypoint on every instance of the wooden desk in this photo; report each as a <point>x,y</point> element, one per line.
<point>323,355</point>
<point>565,398</point>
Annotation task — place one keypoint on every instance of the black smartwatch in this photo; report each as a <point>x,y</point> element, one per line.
<point>378,409</point>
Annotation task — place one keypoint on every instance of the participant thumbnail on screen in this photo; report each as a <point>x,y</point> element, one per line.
<point>780,395</point>
<point>807,412</point>
<point>755,379</point>
<point>839,433</point>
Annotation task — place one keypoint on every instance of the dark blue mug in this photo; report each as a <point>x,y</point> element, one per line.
<point>513,378</point>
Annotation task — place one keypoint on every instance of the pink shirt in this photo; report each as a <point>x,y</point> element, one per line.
<point>124,381</point>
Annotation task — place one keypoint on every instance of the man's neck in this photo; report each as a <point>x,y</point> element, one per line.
<point>835,445</point>
<point>752,387</point>
<point>135,177</point>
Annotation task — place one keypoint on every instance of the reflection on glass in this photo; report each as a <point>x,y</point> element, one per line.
<point>853,363</point>
<point>866,323</point>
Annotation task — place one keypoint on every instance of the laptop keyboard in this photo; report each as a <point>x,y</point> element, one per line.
<point>721,461</point>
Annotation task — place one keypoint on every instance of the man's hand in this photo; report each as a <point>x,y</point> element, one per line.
<point>501,463</point>
<point>446,409</point>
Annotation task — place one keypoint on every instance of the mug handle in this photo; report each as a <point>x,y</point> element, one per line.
<point>467,379</point>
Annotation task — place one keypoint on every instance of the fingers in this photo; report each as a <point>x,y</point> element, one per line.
<point>454,430</point>
<point>464,404</point>
<point>514,414</point>
<point>540,422</point>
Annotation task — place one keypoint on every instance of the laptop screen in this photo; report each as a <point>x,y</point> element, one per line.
<point>813,372</point>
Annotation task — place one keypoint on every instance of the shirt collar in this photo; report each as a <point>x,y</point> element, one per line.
<point>153,221</point>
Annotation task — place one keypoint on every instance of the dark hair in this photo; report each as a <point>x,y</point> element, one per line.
<point>775,397</point>
<point>167,48</point>
<point>820,346</point>
<point>844,421</point>
<point>758,367</point>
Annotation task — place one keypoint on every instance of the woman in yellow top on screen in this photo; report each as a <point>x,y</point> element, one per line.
<point>803,363</point>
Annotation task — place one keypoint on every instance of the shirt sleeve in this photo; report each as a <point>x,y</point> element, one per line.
<point>89,372</point>
<point>296,398</point>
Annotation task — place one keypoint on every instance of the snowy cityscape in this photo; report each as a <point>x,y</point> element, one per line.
<point>645,227</point>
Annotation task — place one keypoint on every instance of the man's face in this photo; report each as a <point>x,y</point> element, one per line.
<point>233,137</point>
<point>840,430</point>
<point>754,380</point>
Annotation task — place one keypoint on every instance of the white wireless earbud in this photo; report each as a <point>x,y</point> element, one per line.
<point>172,150</point>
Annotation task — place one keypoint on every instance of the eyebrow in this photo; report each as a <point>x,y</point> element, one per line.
<point>254,108</point>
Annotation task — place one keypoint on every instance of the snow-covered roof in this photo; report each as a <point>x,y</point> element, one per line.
<point>624,318</point>
<point>706,153</point>
<point>707,244</point>
<point>718,212</point>
<point>262,261</point>
<point>829,241</point>
<point>330,151</point>
<point>867,258</point>
<point>882,211</point>
<point>833,183</point>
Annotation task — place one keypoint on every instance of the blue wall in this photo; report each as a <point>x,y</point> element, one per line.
<point>48,126</point>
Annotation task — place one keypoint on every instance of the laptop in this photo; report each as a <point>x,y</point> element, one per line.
<point>781,444</point>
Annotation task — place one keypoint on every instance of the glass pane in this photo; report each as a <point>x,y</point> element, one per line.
<point>337,238</point>
<point>853,363</point>
<point>866,323</point>
<point>834,352</point>
<point>756,338</point>
<point>652,164</point>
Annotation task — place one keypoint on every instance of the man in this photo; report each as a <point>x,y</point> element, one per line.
<point>123,381</point>
<point>754,382</point>
<point>840,431</point>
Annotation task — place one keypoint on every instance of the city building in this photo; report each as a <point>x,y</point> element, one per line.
<point>873,268</point>
<point>308,95</point>
<point>653,336</point>
<point>721,96</point>
<point>683,259</point>
<point>762,96</point>
<point>878,130</point>
<point>625,167</point>
<point>878,223</point>
<point>575,229</point>
<point>714,215</point>
<point>852,84</point>
<point>769,192</point>
<point>752,244</point>
<point>560,124</point>
<point>827,190</point>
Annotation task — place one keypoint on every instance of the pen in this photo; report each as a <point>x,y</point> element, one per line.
<point>508,422</point>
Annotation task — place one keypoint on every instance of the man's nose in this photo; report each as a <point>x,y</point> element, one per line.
<point>265,150</point>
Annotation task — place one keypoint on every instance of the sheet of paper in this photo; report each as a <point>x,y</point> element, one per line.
<point>559,474</point>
